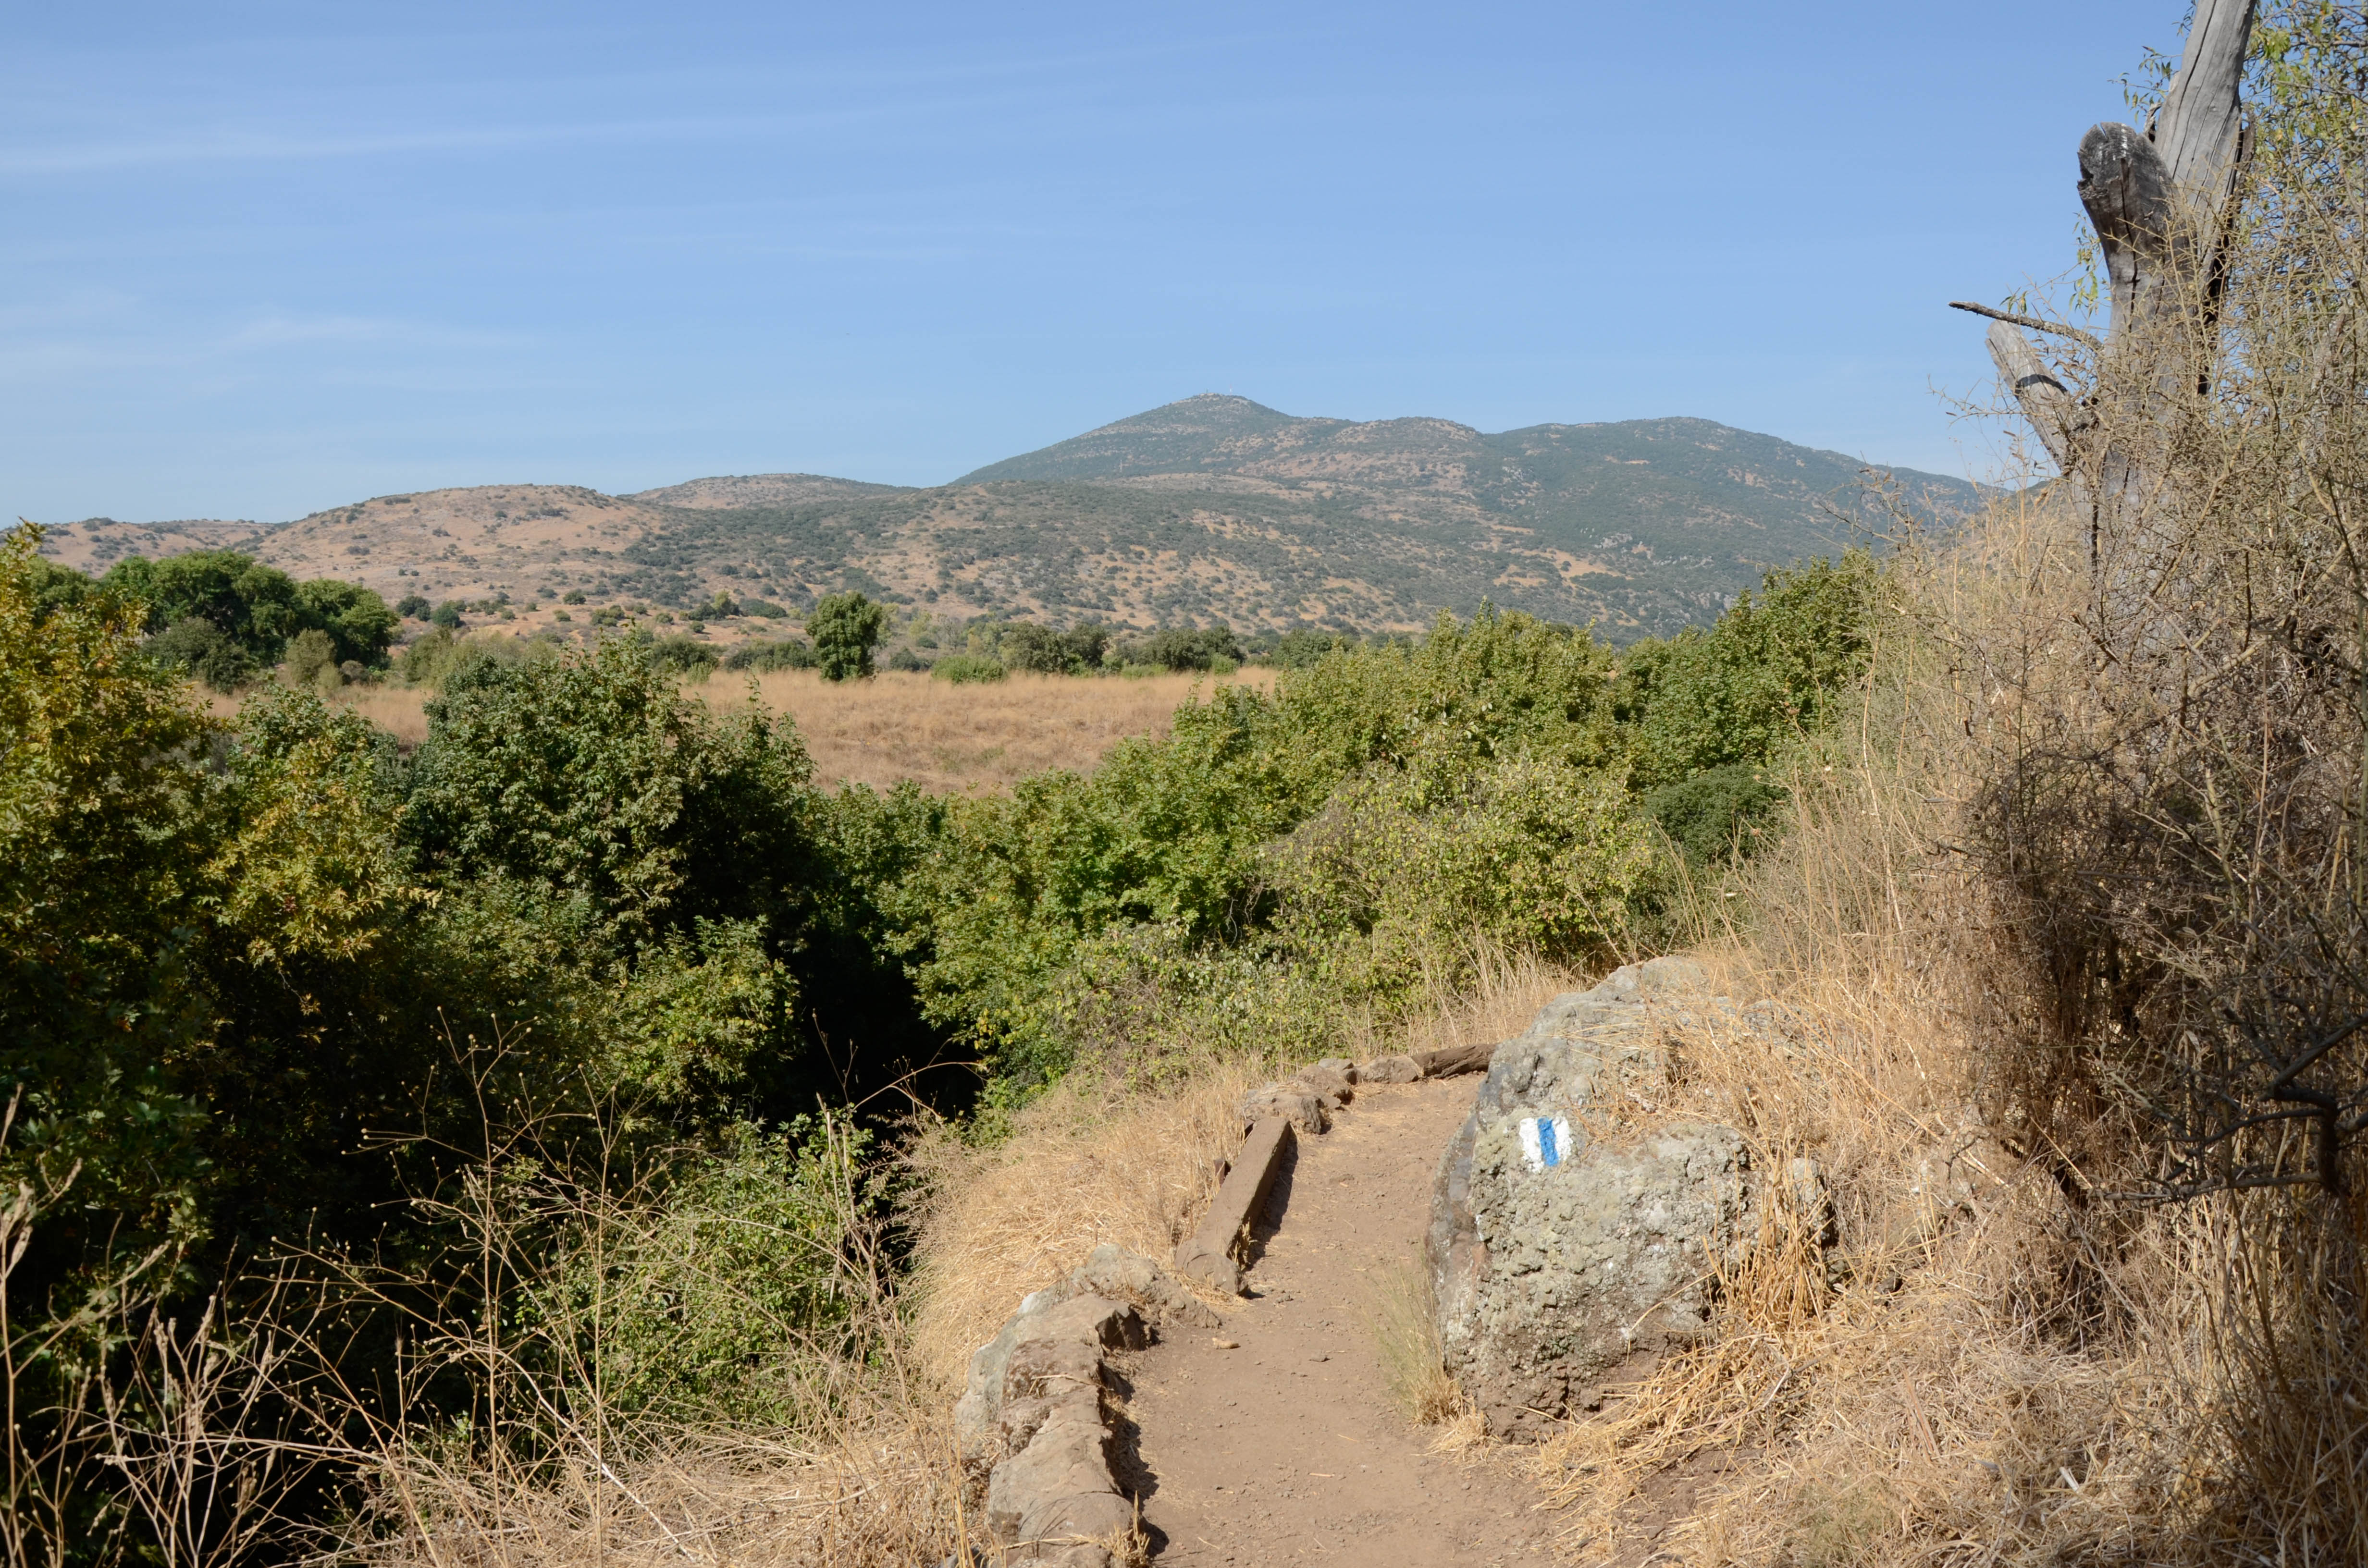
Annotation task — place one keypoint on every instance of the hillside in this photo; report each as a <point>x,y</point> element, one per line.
<point>1212,508</point>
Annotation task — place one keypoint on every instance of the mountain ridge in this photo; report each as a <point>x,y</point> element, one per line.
<point>1212,507</point>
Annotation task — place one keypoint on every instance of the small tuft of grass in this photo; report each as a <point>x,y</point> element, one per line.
<point>1406,1332</point>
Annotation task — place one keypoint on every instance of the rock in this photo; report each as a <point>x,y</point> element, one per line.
<point>1549,1272</point>
<point>1058,1489</point>
<point>1303,1107</point>
<point>1334,1076</point>
<point>1455,1059</point>
<point>1389,1069</point>
<point>1208,1254</point>
<point>1091,1322</point>
<point>1121,1275</point>
<point>1655,978</point>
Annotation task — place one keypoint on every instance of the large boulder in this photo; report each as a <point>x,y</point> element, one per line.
<point>1553,1259</point>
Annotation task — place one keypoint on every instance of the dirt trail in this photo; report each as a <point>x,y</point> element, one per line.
<point>1288,1449</point>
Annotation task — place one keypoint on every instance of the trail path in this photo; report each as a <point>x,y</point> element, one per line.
<point>1288,1449</point>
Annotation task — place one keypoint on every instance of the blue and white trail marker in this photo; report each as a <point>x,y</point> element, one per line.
<point>1545,1141</point>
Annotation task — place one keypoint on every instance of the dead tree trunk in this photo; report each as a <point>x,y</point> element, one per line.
<point>2160,201</point>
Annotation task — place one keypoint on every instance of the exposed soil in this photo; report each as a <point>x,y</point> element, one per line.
<point>1289,1450</point>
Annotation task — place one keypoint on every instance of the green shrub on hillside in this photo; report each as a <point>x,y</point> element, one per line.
<point>1185,648</point>
<point>684,656</point>
<point>845,628</point>
<point>1722,813</point>
<point>1078,651</point>
<point>1301,648</point>
<point>707,1301</point>
<point>256,607</point>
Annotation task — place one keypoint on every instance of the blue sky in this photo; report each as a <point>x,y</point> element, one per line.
<point>262,259</point>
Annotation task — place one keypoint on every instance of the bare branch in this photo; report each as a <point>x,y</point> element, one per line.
<point>2035,324</point>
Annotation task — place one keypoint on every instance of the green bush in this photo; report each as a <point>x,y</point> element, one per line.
<point>684,656</point>
<point>1023,646</point>
<point>845,628</point>
<point>964,669</point>
<point>413,606</point>
<point>1757,683</point>
<point>196,645</point>
<point>309,654</point>
<point>1715,815</point>
<point>447,615</point>
<point>1301,648</point>
<point>762,658</point>
<point>1185,648</point>
<point>714,1293</point>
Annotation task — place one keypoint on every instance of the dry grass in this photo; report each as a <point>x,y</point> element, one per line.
<point>1405,1320</point>
<point>948,739</point>
<point>1992,1365</point>
<point>966,739</point>
<point>1084,1167</point>
<point>1091,1162</point>
<point>401,710</point>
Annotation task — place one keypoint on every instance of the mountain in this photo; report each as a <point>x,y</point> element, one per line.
<point>1213,508</point>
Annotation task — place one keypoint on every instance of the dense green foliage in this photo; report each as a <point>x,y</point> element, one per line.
<point>845,628</point>
<point>224,616</point>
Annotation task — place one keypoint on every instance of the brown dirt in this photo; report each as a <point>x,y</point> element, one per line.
<point>1288,1449</point>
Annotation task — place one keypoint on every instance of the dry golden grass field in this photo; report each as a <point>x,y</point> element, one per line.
<point>966,739</point>
<point>948,739</point>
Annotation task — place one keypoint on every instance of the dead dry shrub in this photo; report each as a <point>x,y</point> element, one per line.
<point>1085,1164</point>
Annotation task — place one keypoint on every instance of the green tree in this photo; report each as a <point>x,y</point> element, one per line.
<point>103,830</point>
<point>1753,684</point>
<point>356,619</point>
<point>845,628</point>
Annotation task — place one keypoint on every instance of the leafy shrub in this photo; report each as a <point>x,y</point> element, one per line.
<point>1753,684</point>
<point>594,780</point>
<point>906,660</point>
<point>964,669</point>
<point>710,1299</point>
<point>764,657</point>
<point>1715,815</point>
<point>447,615</point>
<point>1024,646</point>
<point>572,596</point>
<point>1185,648</point>
<point>311,655</point>
<point>763,610</point>
<point>684,656</point>
<point>1301,648</point>
<point>196,645</point>
<point>356,620</point>
<point>432,658</point>
<point>845,628</point>
<point>413,606</point>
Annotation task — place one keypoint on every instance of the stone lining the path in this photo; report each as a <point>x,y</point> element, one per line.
<point>1035,1410</point>
<point>1034,1413</point>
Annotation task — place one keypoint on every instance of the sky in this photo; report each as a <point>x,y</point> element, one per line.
<point>259,260</point>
